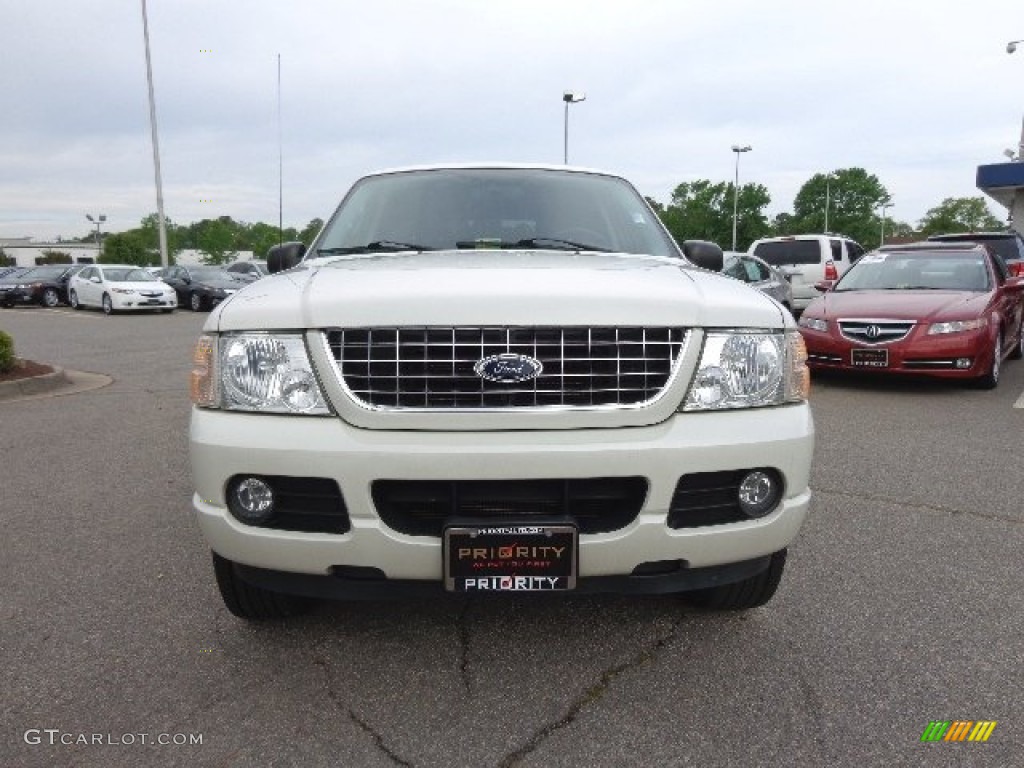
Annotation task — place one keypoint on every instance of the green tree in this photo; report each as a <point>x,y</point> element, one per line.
<point>128,248</point>
<point>959,214</point>
<point>308,233</point>
<point>5,260</point>
<point>149,228</point>
<point>853,196</point>
<point>703,210</point>
<point>216,239</point>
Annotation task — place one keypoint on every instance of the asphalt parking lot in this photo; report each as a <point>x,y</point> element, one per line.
<point>901,605</point>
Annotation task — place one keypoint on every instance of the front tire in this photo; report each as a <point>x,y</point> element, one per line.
<point>250,602</point>
<point>50,298</point>
<point>195,301</point>
<point>73,300</point>
<point>742,595</point>
<point>990,380</point>
<point>108,305</point>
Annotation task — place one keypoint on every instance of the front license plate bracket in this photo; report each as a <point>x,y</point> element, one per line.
<point>510,557</point>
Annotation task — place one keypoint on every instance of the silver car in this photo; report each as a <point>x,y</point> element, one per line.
<point>759,274</point>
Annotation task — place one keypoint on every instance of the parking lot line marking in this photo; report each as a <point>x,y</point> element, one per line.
<point>1020,401</point>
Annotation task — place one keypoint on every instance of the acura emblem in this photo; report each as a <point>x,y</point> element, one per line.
<point>871,331</point>
<point>508,368</point>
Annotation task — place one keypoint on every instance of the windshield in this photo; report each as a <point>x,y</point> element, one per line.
<point>494,208</point>
<point>128,275</point>
<point>46,273</point>
<point>921,271</point>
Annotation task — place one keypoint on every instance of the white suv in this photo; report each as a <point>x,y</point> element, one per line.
<point>498,379</point>
<point>808,259</point>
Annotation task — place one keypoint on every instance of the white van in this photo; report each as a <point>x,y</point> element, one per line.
<point>808,259</point>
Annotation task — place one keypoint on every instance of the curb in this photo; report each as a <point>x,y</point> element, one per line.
<point>58,382</point>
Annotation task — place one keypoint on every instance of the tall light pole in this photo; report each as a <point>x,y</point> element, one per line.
<point>97,221</point>
<point>569,97</point>
<point>881,239</point>
<point>162,226</point>
<point>736,189</point>
<point>828,190</point>
<point>1010,48</point>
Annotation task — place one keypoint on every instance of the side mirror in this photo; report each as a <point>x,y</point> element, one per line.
<point>94,279</point>
<point>704,254</point>
<point>284,256</point>
<point>824,286</point>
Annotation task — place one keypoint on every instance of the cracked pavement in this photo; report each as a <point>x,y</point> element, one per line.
<point>901,604</point>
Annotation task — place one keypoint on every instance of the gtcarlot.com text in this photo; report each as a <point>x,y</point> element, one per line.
<point>56,737</point>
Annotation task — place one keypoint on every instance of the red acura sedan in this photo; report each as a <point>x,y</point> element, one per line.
<point>948,310</point>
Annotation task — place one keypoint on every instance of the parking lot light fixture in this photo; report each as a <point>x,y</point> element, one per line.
<point>1012,45</point>
<point>569,97</point>
<point>736,189</point>
<point>97,221</point>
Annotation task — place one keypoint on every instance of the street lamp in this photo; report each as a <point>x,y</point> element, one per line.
<point>97,221</point>
<point>1010,48</point>
<point>161,221</point>
<point>736,189</point>
<point>569,97</point>
<point>881,239</point>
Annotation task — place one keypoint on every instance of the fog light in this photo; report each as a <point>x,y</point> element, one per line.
<point>252,501</point>
<point>963,362</point>
<point>758,493</point>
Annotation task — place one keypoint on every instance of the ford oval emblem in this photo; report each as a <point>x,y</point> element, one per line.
<point>508,368</point>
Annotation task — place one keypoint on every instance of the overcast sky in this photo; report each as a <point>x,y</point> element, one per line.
<point>917,93</point>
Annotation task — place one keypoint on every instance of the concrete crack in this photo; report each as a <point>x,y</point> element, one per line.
<point>320,660</point>
<point>592,695</point>
<point>919,505</point>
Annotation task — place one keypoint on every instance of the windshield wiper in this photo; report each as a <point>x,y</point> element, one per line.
<point>377,246</point>
<point>566,245</point>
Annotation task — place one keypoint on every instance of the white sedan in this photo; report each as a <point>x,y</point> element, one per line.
<point>117,287</point>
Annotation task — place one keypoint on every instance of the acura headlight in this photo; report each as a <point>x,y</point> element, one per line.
<point>958,326</point>
<point>814,323</point>
<point>749,369</point>
<point>265,372</point>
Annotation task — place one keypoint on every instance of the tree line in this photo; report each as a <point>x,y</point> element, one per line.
<point>848,201</point>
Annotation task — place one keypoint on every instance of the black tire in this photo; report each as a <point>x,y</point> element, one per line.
<point>73,300</point>
<point>108,305</point>
<point>742,595</point>
<point>1018,349</point>
<point>195,302</point>
<point>990,380</point>
<point>250,602</point>
<point>50,298</point>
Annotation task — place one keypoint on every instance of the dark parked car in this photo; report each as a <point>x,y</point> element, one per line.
<point>8,282</point>
<point>46,286</point>
<point>200,287</point>
<point>948,310</point>
<point>249,270</point>
<point>1009,246</point>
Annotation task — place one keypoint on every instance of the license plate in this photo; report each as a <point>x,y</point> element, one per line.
<point>870,358</point>
<point>510,558</point>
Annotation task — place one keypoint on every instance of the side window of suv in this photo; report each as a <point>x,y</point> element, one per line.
<point>855,251</point>
<point>837,250</point>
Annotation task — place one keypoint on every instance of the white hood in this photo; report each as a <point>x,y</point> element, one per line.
<point>487,287</point>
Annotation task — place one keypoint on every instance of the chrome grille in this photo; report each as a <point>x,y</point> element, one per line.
<point>875,331</point>
<point>433,368</point>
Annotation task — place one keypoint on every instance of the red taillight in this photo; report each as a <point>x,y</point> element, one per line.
<point>830,271</point>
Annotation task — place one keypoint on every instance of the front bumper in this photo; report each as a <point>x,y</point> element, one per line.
<point>131,301</point>
<point>917,354</point>
<point>225,444</point>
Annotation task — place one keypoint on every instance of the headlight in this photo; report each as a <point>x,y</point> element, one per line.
<point>814,323</point>
<point>957,326</point>
<point>749,369</point>
<point>263,372</point>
